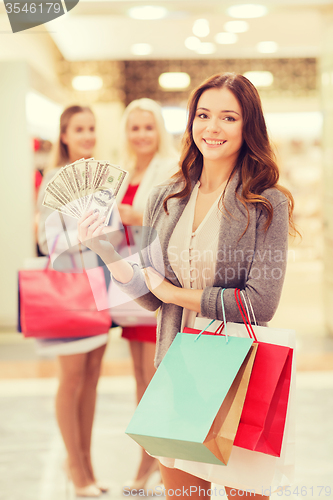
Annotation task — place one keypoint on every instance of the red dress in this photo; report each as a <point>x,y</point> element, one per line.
<point>139,333</point>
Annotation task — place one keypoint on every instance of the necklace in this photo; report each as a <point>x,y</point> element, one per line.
<point>220,188</point>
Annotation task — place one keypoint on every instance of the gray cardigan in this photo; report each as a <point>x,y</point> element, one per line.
<point>255,262</point>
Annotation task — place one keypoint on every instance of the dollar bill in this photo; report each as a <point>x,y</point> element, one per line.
<point>68,174</point>
<point>58,197</point>
<point>59,185</point>
<point>85,185</point>
<point>107,186</point>
<point>91,169</point>
<point>88,174</point>
<point>50,202</point>
<point>97,174</point>
<point>113,176</point>
<point>64,177</point>
<point>78,170</point>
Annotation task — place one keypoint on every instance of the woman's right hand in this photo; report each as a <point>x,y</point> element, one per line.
<point>93,235</point>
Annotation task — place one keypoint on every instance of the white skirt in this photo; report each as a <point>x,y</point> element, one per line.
<point>65,347</point>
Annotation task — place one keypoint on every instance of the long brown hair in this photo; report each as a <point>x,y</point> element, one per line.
<point>256,160</point>
<point>60,155</point>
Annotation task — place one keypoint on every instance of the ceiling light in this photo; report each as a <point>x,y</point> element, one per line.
<point>174,80</point>
<point>267,47</point>
<point>148,12</point>
<point>247,11</point>
<point>206,48</point>
<point>325,78</point>
<point>236,26</point>
<point>201,28</point>
<point>175,119</point>
<point>260,78</point>
<point>87,82</point>
<point>141,49</point>
<point>192,43</point>
<point>226,38</point>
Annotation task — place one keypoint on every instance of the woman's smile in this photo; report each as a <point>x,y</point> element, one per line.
<point>214,142</point>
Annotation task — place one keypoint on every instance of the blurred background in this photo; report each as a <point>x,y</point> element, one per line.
<point>107,53</point>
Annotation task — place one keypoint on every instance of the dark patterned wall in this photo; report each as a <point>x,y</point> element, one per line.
<point>292,77</point>
<point>128,80</point>
<point>112,73</point>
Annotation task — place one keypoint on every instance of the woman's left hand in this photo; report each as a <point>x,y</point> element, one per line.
<point>159,286</point>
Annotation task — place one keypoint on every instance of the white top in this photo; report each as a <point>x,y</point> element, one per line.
<point>159,170</point>
<point>193,255</point>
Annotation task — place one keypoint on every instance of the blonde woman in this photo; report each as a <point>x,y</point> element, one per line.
<point>149,156</point>
<point>79,360</point>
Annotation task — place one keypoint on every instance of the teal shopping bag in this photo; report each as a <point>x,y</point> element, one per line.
<point>186,394</point>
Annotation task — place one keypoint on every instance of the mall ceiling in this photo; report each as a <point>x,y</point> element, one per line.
<point>103,30</point>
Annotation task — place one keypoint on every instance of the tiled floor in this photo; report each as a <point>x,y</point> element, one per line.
<point>31,452</point>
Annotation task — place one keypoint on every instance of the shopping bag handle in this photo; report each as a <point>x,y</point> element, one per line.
<point>70,255</point>
<point>246,299</point>
<point>223,324</point>
<point>51,253</point>
<point>56,239</point>
<point>244,314</point>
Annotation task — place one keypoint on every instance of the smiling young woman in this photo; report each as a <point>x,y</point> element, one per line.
<point>79,360</point>
<point>259,170</point>
<point>225,196</point>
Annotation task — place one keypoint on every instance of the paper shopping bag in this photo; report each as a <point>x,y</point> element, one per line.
<point>263,417</point>
<point>249,469</point>
<point>190,407</point>
<point>262,422</point>
<point>56,304</point>
<point>222,433</point>
<point>29,263</point>
<point>61,304</point>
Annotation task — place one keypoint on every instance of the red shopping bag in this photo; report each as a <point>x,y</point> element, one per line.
<point>54,304</point>
<point>262,421</point>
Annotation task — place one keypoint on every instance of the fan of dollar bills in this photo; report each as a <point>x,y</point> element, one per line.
<point>83,186</point>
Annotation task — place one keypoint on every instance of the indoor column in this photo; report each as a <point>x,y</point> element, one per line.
<point>17,184</point>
